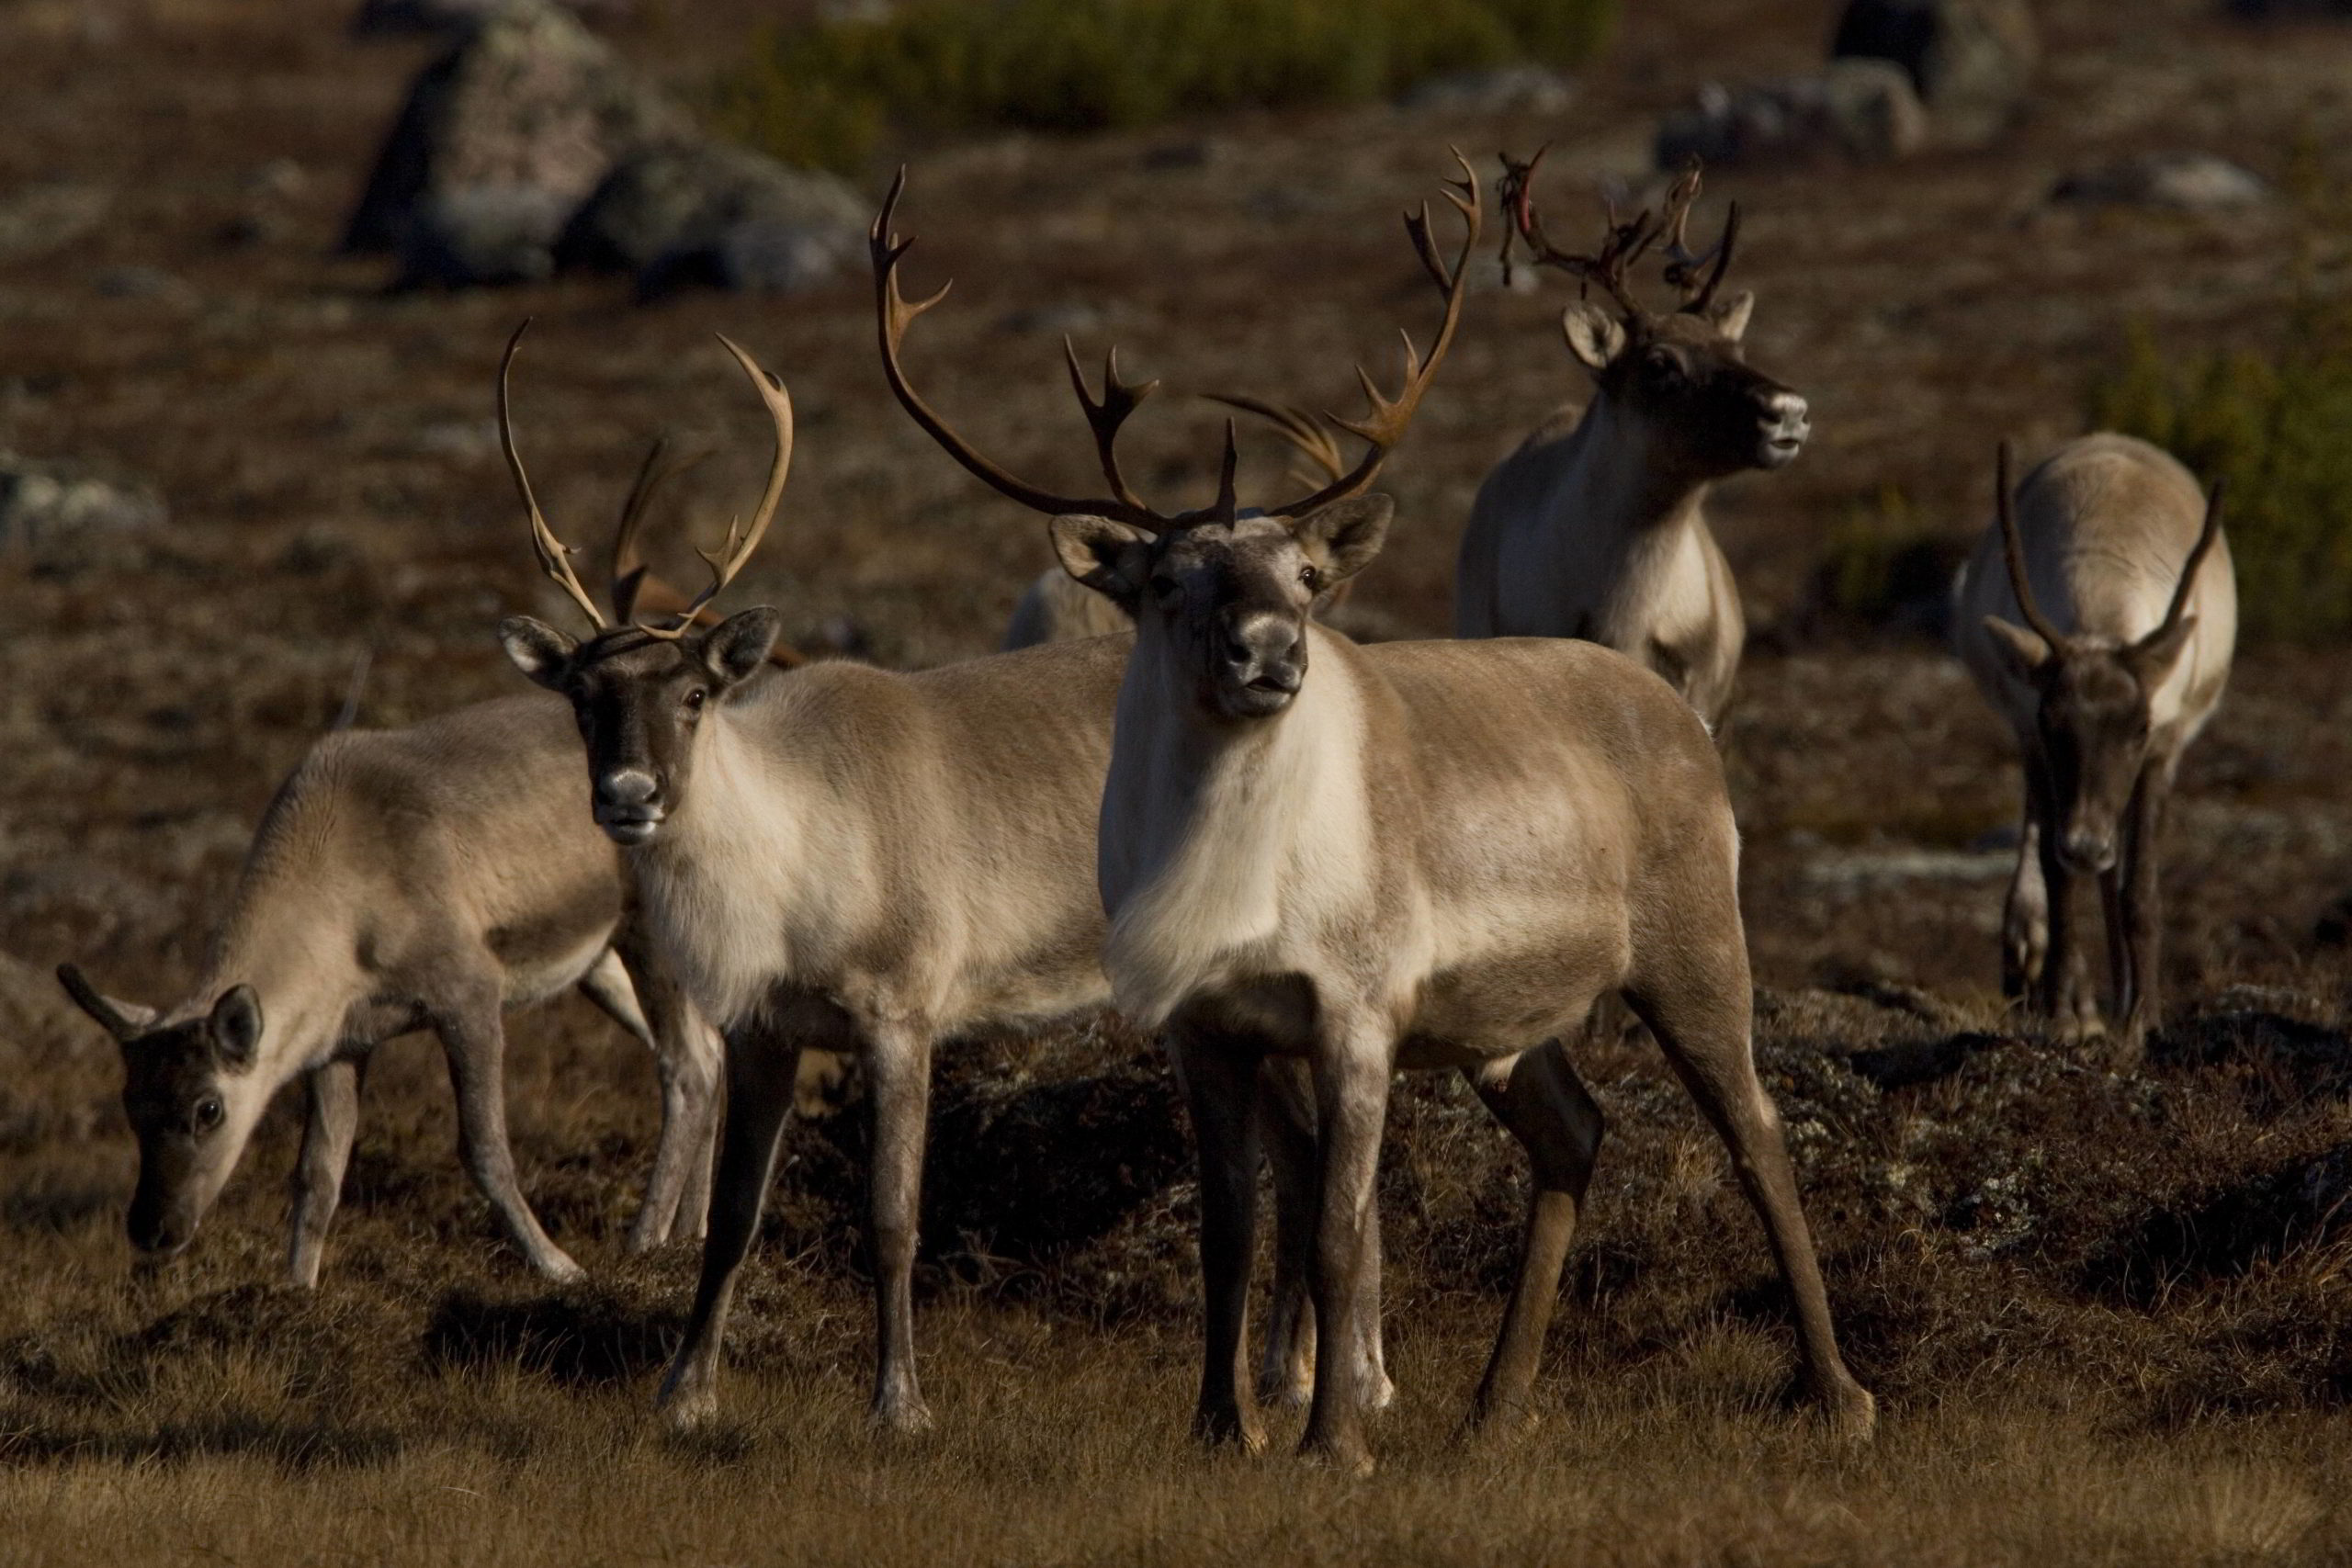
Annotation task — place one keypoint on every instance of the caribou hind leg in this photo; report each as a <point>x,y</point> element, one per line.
<point>1703,1023</point>
<point>473,1034</point>
<point>761,1065</point>
<point>2025,918</point>
<point>685,1060</point>
<point>333,1091</point>
<point>1538,1096</point>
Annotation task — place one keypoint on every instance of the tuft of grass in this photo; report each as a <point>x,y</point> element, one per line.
<point>2273,426</point>
<point>824,92</point>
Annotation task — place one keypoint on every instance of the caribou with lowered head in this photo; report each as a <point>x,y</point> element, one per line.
<point>426,877</point>
<point>2098,615</point>
<point>842,858</point>
<point>1596,527</point>
<point>1431,854</point>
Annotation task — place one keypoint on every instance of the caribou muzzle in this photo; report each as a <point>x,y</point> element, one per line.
<point>1261,662</point>
<point>2087,852</point>
<point>630,808</point>
<point>1784,423</point>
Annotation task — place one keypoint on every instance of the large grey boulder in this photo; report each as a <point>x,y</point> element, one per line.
<point>501,140</point>
<point>53,511</point>
<point>2186,182</point>
<point>1970,61</point>
<point>1857,111</point>
<point>684,214</point>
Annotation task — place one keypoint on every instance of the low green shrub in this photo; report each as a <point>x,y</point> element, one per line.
<point>823,93</point>
<point>2278,428</point>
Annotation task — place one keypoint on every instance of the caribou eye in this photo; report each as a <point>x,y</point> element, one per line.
<point>208,1113</point>
<point>1310,577</point>
<point>1165,588</point>
<point>695,699</point>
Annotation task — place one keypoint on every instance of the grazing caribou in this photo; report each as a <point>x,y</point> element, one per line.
<point>2116,567</point>
<point>1596,527</point>
<point>845,859</point>
<point>426,877</point>
<point>1433,854</point>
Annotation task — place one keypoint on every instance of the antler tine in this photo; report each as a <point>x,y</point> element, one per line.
<point>628,566</point>
<point>1229,504</point>
<point>1306,432</point>
<point>893,315</point>
<point>1683,265</point>
<point>1624,244</point>
<point>2181,590</point>
<point>1120,398</point>
<point>727,560</point>
<point>553,552</point>
<point>1384,423</point>
<point>2013,549</point>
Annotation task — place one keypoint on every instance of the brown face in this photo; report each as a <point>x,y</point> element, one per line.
<point>1227,604</point>
<point>639,701</point>
<point>1685,377</point>
<point>191,1099</point>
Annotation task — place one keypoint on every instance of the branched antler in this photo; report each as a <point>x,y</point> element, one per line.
<point>1625,242</point>
<point>743,539</point>
<point>554,554</point>
<point>1682,265</point>
<point>2013,550</point>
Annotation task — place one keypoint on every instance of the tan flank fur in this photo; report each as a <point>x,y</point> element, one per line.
<point>1434,854</point>
<point>420,878</point>
<point>1596,527</point>
<point>2098,615</point>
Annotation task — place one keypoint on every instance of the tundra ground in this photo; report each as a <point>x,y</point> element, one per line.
<point>2105,1317</point>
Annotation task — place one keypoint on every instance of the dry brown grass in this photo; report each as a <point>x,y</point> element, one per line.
<point>2106,1318</point>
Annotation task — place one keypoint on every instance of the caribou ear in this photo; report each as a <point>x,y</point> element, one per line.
<point>1594,336</point>
<point>536,649</point>
<point>236,1025</point>
<point>2152,657</point>
<point>1346,535</point>
<point>1730,313</point>
<point>2025,651</point>
<point>1113,558</point>
<point>124,1021</point>
<point>739,644</point>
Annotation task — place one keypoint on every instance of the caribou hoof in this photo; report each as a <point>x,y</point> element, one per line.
<point>1351,1458</point>
<point>557,1267</point>
<point>901,1418</point>
<point>1851,1413</point>
<point>687,1403</point>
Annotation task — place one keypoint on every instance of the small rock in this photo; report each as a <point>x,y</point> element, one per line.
<point>683,214</point>
<point>1859,110</point>
<point>1508,89</point>
<point>1970,61</point>
<point>2190,182</point>
<point>501,138</point>
<point>36,220</point>
<point>49,508</point>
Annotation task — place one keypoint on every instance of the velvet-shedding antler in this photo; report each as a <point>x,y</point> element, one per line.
<point>1309,433</point>
<point>2013,550</point>
<point>1683,265</point>
<point>1624,243</point>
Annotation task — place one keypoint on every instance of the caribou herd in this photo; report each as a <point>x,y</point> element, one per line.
<point>1306,863</point>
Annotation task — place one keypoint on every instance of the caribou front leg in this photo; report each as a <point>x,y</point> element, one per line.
<point>1221,1084</point>
<point>760,1069</point>
<point>333,1122</point>
<point>897,1065</point>
<point>2024,916</point>
<point>2140,931</point>
<point>1286,1365</point>
<point>1539,1097</point>
<point>1354,1054</point>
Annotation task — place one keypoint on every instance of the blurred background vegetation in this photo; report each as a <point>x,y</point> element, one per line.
<point>824,92</point>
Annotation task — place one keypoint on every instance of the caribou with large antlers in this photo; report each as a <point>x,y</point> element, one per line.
<point>838,858</point>
<point>1596,527</point>
<point>1433,854</point>
<point>2116,566</point>
<point>425,877</point>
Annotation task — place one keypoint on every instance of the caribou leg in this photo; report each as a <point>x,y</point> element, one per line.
<point>473,1035</point>
<point>1354,1059</point>
<point>898,1068</point>
<point>2142,928</point>
<point>1286,1367</point>
<point>637,993</point>
<point>1538,1096</point>
<point>760,1068</point>
<point>333,1122</point>
<point>2025,919</point>
<point>1220,1078</point>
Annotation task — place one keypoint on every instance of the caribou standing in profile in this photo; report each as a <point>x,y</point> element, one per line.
<point>1596,527</point>
<point>845,859</point>
<point>1434,854</point>
<point>2116,567</point>
<point>425,877</point>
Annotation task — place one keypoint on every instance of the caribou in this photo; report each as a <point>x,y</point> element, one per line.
<point>1596,527</point>
<point>425,877</point>
<point>846,859</point>
<point>2097,616</point>
<point>1433,854</point>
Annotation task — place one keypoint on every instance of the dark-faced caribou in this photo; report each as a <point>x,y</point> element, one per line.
<point>1596,527</point>
<point>426,877</point>
<point>2098,615</point>
<point>1431,854</point>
